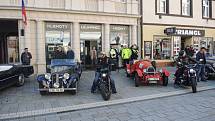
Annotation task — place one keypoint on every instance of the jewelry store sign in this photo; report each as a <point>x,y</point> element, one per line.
<point>184,32</point>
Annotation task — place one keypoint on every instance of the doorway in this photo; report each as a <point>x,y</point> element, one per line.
<point>86,52</point>
<point>9,43</point>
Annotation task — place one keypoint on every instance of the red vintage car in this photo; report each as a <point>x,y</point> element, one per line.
<point>144,72</point>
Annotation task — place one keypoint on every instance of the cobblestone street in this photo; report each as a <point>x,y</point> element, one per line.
<point>27,98</point>
<point>191,107</point>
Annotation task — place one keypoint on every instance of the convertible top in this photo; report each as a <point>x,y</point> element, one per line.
<point>63,62</point>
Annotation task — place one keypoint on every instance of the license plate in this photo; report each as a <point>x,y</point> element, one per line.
<point>153,79</point>
<point>153,82</point>
<point>56,90</point>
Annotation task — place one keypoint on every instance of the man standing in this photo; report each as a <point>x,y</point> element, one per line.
<point>126,54</point>
<point>26,57</point>
<point>200,57</point>
<point>93,56</point>
<point>114,59</point>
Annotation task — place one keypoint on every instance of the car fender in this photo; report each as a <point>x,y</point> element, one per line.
<point>139,72</point>
<point>40,78</point>
<point>166,72</point>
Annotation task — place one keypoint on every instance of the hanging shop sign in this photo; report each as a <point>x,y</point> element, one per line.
<point>184,32</point>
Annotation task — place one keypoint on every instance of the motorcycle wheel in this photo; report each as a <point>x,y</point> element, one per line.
<point>193,84</point>
<point>42,92</point>
<point>206,74</point>
<point>165,80</point>
<point>136,80</point>
<point>105,92</point>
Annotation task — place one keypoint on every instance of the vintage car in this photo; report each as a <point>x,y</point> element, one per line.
<point>144,72</point>
<point>64,76</point>
<point>14,74</point>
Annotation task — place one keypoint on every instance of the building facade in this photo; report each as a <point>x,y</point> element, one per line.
<point>172,25</point>
<point>81,24</point>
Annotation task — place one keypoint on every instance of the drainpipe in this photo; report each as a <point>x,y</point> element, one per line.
<point>141,26</point>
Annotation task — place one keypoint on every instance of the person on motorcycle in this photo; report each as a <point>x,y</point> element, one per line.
<point>102,63</point>
<point>200,57</point>
<point>185,60</point>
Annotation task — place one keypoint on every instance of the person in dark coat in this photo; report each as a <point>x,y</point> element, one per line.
<point>70,53</point>
<point>200,57</point>
<point>26,57</point>
<point>59,53</point>
<point>135,51</point>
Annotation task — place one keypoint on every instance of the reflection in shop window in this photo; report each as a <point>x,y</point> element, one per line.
<point>13,49</point>
<point>162,48</point>
<point>206,42</point>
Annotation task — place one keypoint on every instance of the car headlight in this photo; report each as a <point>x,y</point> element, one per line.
<point>48,76</point>
<point>192,71</point>
<point>66,76</point>
<point>144,70</point>
<point>104,75</point>
<point>161,70</point>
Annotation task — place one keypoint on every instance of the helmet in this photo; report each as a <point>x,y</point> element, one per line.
<point>182,53</point>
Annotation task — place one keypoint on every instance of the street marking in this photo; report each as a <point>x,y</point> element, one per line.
<point>98,104</point>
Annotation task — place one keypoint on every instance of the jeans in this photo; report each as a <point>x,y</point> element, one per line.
<point>96,80</point>
<point>201,72</point>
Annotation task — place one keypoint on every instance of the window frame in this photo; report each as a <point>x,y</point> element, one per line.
<point>209,9</point>
<point>158,7</point>
<point>190,7</point>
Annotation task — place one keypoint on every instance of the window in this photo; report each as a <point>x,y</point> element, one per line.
<point>186,7</point>
<point>162,6</point>
<point>206,42</point>
<point>162,48</point>
<point>206,8</point>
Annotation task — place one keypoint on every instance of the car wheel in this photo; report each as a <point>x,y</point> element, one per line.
<point>136,80</point>
<point>21,80</point>
<point>165,80</point>
<point>42,92</point>
<point>73,92</point>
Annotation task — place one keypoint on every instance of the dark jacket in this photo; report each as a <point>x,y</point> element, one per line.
<point>59,55</point>
<point>26,58</point>
<point>134,54</point>
<point>103,62</point>
<point>70,54</point>
<point>201,56</point>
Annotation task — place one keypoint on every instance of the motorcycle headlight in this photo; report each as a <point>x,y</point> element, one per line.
<point>192,71</point>
<point>104,75</point>
<point>48,76</point>
<point>66,76</point>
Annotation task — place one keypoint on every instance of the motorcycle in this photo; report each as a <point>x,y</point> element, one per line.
<point>189,76</point>
<point>104,84</point>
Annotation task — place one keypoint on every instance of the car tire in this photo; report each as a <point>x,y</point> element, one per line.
<point>42,92</point>
<point>21,80</point>
<point>73,92</point>
<point>165,80</point>
<point>136,80</point>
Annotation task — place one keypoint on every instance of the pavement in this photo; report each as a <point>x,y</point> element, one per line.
<point>190,107</point>
<point>20,100</point>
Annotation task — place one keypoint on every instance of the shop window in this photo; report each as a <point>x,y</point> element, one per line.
<point>186,7</point>
<point>162,48</point>
<point>119,34</point>
<point>13,49</point>
<point>57,38</point>
<point>176,45</point>
<point>147,49</point>
<point>206,42</point>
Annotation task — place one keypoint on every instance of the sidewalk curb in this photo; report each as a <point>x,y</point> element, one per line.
<point>97,104</point>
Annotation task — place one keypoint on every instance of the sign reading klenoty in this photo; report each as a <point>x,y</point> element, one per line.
<point>58,26</point>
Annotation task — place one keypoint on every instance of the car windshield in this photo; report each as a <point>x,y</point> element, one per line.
<point>5,67</point>
<point>58,65</point>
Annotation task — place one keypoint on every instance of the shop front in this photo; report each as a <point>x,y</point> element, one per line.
<point>161,43</point>
<point>58,37</point>
<point>91,43</point>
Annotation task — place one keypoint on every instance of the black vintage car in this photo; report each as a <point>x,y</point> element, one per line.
<point>14,74</point>
<point>65,75</point>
